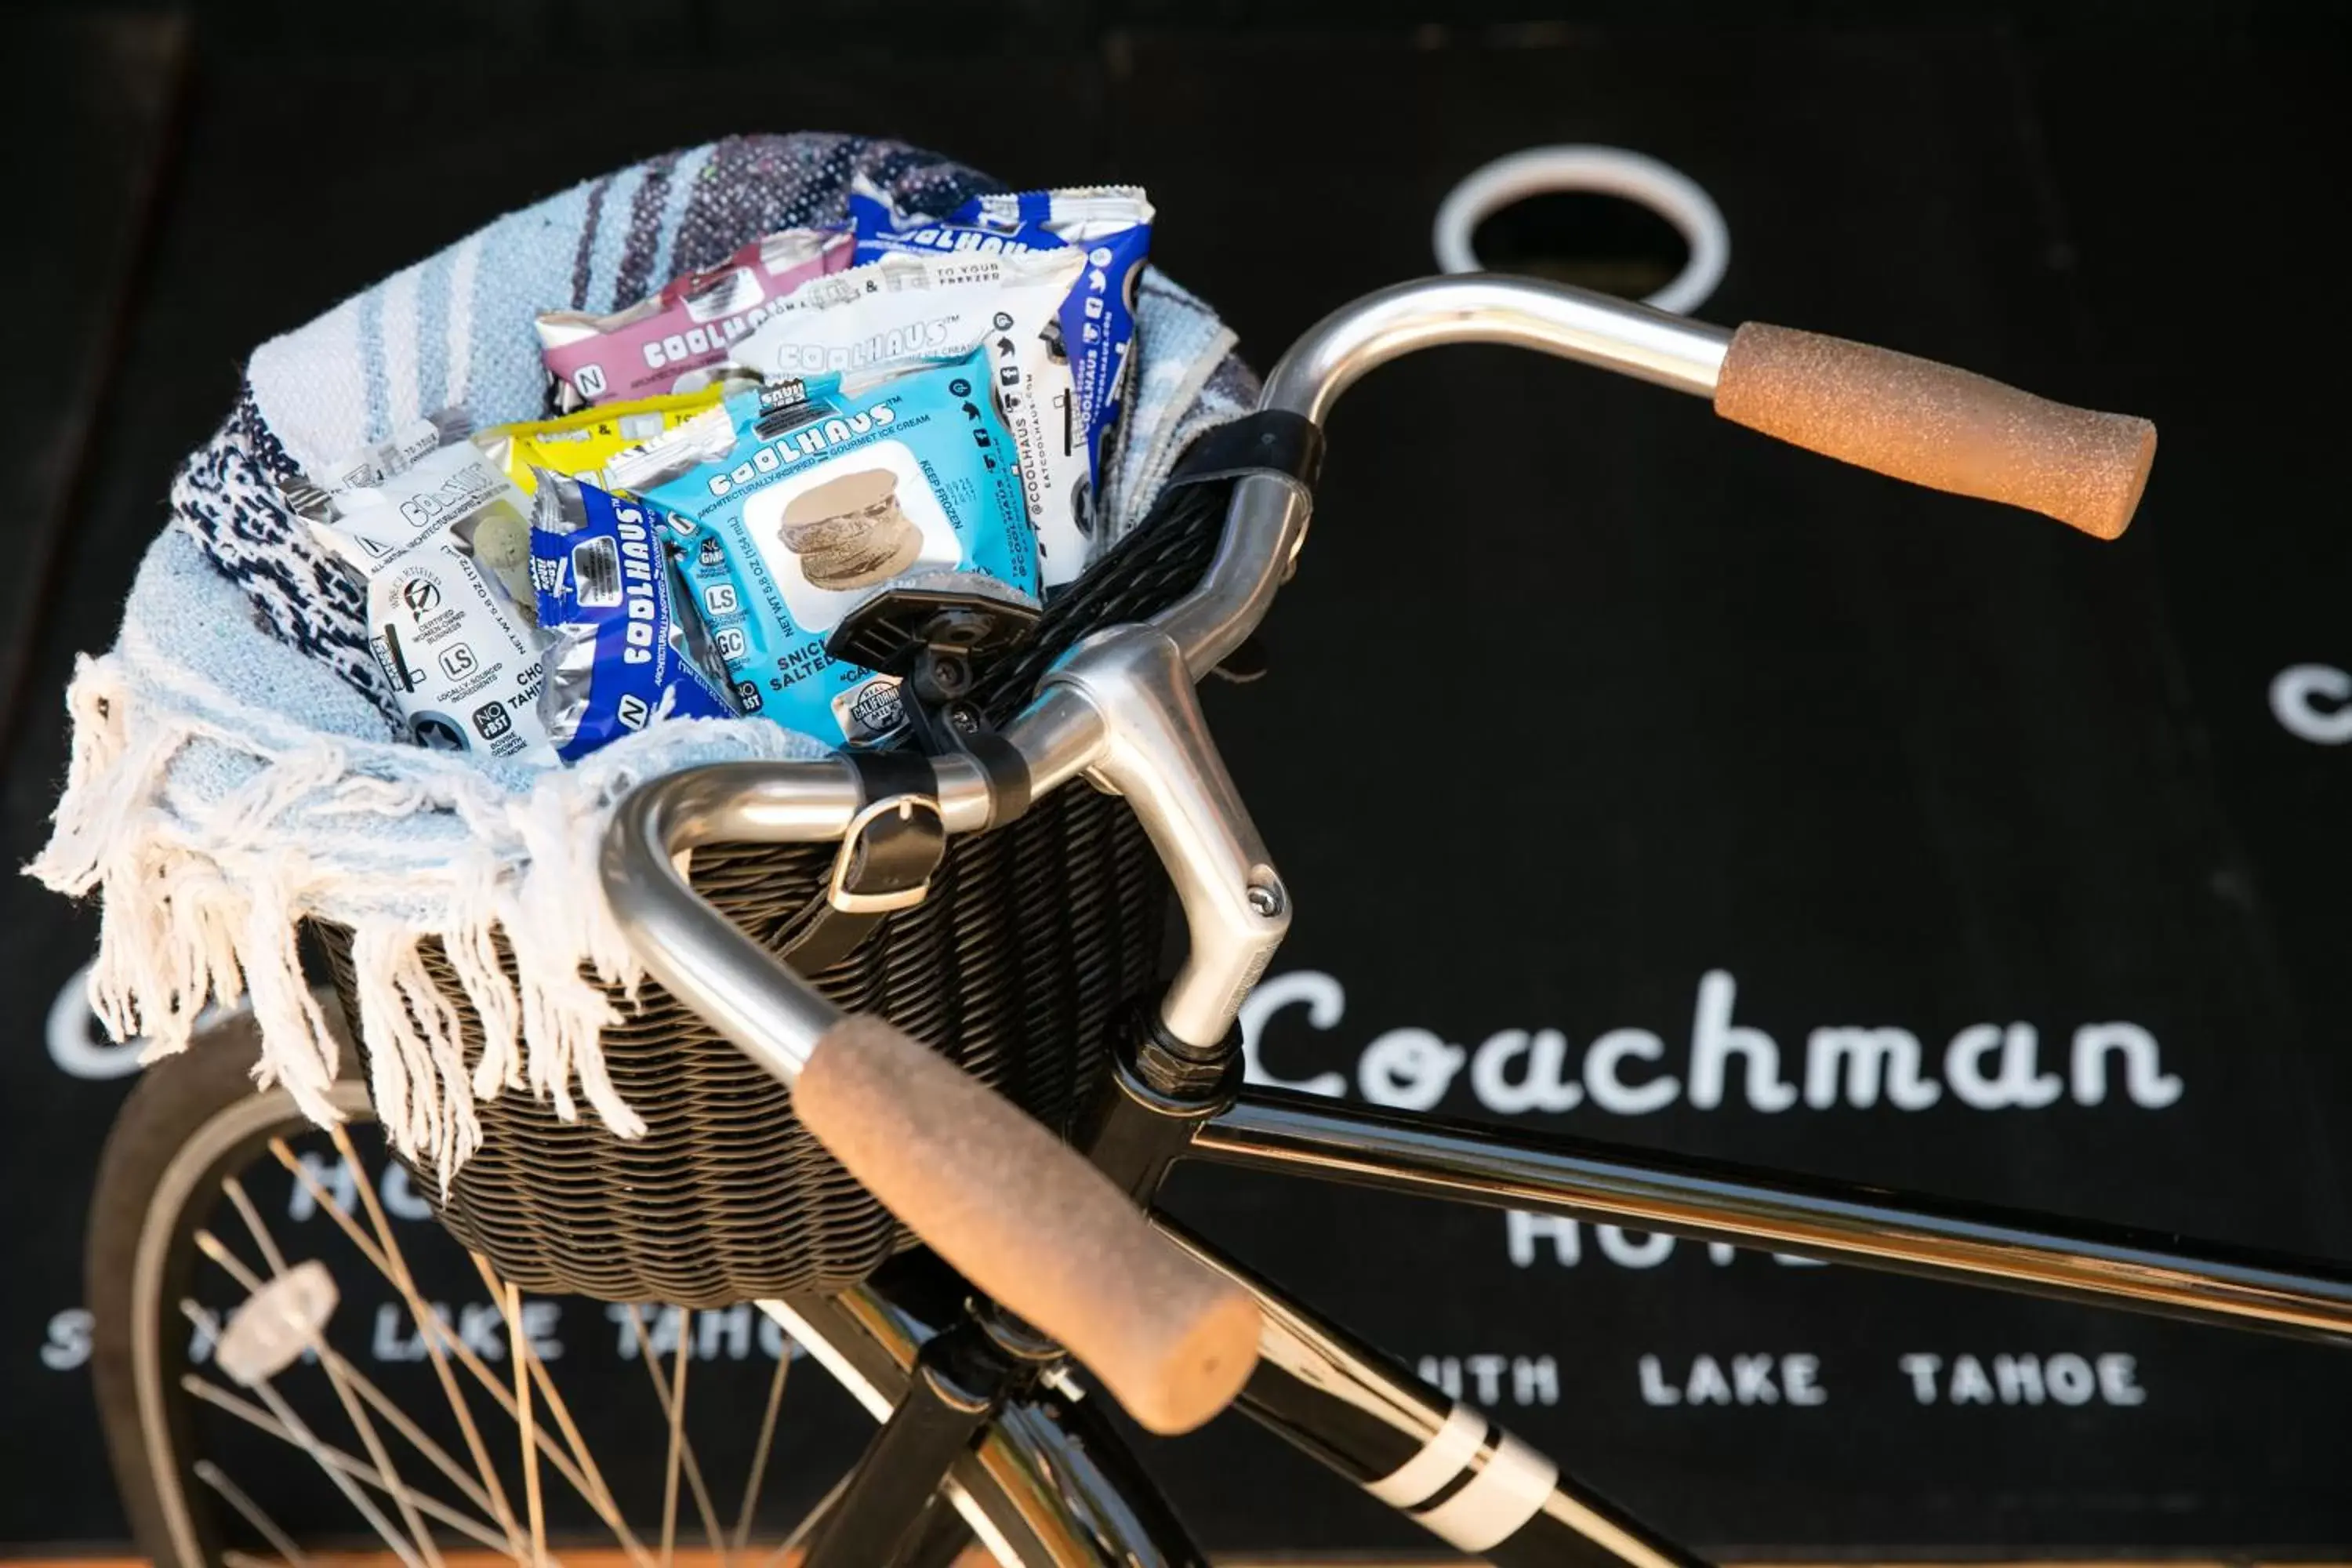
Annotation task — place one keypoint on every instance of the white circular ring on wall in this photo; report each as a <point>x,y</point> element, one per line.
<point>1608,171</point>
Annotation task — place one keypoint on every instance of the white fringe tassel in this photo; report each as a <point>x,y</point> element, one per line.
<point>202,911</point>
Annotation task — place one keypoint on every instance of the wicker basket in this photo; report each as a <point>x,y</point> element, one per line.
<point>1033,940</point>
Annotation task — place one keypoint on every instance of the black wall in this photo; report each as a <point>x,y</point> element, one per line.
<point>1586,714</point>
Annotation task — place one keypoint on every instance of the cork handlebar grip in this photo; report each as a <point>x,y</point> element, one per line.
<point>1937,426</point>
<point>1026,1218</point>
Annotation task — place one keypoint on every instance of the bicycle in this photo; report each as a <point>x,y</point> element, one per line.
<point>1044,1252</point>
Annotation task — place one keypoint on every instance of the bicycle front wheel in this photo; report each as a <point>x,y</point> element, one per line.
<point>412,1392</point>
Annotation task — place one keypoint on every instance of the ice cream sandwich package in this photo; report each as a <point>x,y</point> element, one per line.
<point>581,444</point>
<point>1005,306</point>
<point>625,646</point>
<point>675,340</point>
<point>1110,224</point>
<point>837,485</point>
<point>741,461</point>
<point>443,546</point>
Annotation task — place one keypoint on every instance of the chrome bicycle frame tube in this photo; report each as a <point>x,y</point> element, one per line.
<point>1706,1200</point>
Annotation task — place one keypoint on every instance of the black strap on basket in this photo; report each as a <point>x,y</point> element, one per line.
<point>887,857</point>
<point>1273,442</point>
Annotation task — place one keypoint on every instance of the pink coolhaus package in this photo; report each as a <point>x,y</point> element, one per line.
<point>677,339</point>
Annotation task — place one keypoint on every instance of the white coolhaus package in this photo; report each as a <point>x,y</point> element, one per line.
<point>905,307</point>
<point>441,545</point>
<point>374,465</point>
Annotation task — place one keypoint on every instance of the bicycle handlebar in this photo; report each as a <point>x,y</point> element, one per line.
<point>1023,1215</point>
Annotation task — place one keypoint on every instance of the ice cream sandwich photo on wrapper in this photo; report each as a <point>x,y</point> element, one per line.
<point>835,535</point>
<point>849,532</point>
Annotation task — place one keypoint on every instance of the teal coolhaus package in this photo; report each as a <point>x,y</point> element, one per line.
<point>834,489</point>
<point>927,305</point>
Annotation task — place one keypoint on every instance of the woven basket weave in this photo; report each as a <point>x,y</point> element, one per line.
<point>1033,940</point>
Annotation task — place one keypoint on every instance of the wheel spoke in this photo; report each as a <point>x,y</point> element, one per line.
<point>681,1454</point>
<point>669,1464</point>
<point>553,1399</point>
<point>518,1352</point>
<point>803,1532</point>
<point>351,1465</point>
<point>546,1427</point>
<point>236,1192</point>
<point>309,1442</point>
<point>393,1267</point>
<point>438,1332</point>
<point>759,1472</point>
<point>338,1373</point>
<point>234,1495</point>
<point>433,1451</point>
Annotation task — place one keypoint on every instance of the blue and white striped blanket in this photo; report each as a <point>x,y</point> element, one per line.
<point>235,766</point>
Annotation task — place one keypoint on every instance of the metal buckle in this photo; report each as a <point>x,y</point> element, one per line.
<point>895,808</point>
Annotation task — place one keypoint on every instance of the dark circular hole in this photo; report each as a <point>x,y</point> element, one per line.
<point>1586,238</point>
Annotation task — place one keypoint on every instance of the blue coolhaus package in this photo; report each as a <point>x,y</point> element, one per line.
<point>835,488</point>
<point>622,651</point>
<point>1112,224</point>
